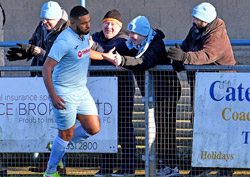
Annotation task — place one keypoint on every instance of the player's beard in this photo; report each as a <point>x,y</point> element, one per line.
<point>80,32</point>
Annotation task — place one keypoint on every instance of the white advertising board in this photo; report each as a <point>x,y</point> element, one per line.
<point>26,116</point>
<point>222,120</point>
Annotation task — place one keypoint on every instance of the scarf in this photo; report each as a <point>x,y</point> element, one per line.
<point>144,44</point>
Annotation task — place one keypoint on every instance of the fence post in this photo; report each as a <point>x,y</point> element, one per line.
<point>150,128</point>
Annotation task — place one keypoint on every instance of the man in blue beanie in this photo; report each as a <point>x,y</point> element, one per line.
<point>54,21</point>
<point>207,43</point>
<point>146,50</point>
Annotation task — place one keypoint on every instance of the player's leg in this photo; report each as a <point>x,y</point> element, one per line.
<point>90,123</point>
<point>88,117</point>
<point>58,148</point>
<point>65,120</point>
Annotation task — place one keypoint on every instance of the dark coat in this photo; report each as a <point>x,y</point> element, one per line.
<point>44,39</point>
<point>155,55</point>
<point>211,47</point>
<point>166,82</point>
<point>101,44</point>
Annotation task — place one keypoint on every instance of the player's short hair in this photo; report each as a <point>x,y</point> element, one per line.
<point>77,12</point>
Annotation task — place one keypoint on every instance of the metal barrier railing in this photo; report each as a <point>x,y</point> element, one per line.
<point>158,67</point>
<point>237,42</point>
<point>11,43</point>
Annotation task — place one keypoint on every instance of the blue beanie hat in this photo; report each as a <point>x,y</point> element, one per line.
<point>140,25</point>
<point>51,10</point>
<point>205,12</point>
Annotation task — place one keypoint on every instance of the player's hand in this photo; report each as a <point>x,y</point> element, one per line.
<point>110,56</point>
<point>58,102</point>
<point>111,53</point>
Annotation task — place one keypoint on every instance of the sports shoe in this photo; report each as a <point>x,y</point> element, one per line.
<point>103,172</point>
<point>167,171</point>
<point>124,173</point>
<point>51,174</point>
<point>43,166</point>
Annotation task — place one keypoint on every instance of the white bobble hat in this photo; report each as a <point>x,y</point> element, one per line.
<point>205,12</point>
<point>51,10</point>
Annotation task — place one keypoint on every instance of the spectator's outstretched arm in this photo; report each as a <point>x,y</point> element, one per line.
<point>24,51</point>
<point>176,53</point>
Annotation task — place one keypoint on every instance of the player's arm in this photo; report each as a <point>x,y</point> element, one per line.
<point>47,78</point>
<point>110,57</point>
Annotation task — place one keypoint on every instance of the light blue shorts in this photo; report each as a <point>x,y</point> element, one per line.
<point>82,103</point>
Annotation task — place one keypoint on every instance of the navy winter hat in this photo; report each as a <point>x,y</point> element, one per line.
<point>205,12</point>
<point>113,15</point>
<point>140,25</point>
<point>51,10</point>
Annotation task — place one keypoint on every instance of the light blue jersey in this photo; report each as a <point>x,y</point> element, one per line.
<point>72,54</point>
<point>70,77</point>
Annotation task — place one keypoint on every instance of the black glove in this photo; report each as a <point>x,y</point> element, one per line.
<point>25,51</point>
<point>177,54</point>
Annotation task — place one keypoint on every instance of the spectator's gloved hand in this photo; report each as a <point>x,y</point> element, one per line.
<point>177,54</point>
<point>24,51</point>
<point>178,66</point>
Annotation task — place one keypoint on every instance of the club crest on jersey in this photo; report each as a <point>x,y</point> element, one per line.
<point>83,53</point>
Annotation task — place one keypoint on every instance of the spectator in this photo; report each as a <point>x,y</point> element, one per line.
<point>207,43</point>
<point>68,58</point>
<point>146,50</point>
<point>111,36</point>
<point>54,21</point>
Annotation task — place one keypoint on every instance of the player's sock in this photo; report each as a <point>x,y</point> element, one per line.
<point>79,135</point>
<point>58,149</point>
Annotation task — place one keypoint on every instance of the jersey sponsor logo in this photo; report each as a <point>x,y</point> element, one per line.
<point>83,53</point>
